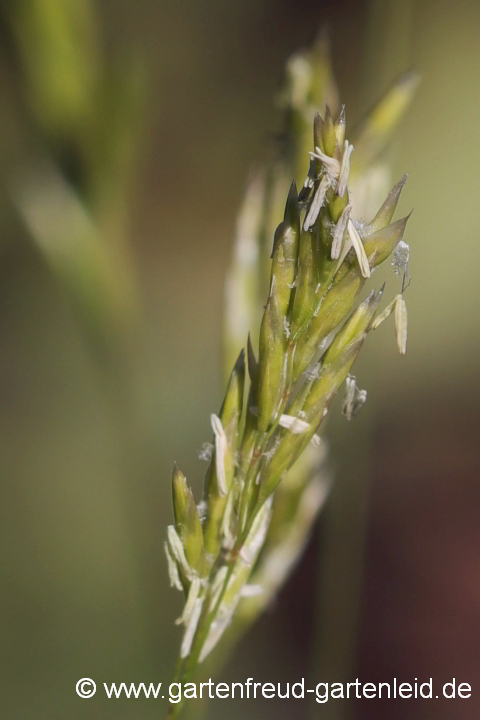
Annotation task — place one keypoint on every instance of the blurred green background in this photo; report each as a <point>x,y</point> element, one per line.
<point>154,114</point>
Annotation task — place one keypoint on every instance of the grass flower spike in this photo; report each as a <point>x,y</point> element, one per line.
<point>309,338</point>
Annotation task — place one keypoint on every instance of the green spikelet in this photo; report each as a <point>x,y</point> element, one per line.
<point>187,521</point>
<point>272,361</point>
<point>380,239</point>
<point>312,402</point>
<point>285,251</point>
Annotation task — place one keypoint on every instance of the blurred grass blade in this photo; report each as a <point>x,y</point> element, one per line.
<point>97,277</point>
<point>375,132</point>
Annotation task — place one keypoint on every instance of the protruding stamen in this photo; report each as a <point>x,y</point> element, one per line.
<point>178,552</point>
<point>344,169</point>
<point>331,164</point>
<point>172,569</point>
<point>354,398</point>
<point>190,604</point>
<point>401,319</point>
<point>359,249</point>
<point>294,424</point>
<point>339,232</point>
<point>221,449</point>
<point>317,203</point>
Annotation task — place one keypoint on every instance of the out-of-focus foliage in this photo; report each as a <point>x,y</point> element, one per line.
<point>87,113</point>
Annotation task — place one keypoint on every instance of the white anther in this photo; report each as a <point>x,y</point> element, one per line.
<point>344,169</point>
<point>359,249</point>
<point>332,165</point>
<point>190,604</point>
<point>221,449</point>
<point>339,232</point>
<point>354,398</point>
<point>172,569</point>
<point>178,552</point>
<point>317,203</point>
<point>401,325</point>
<point>294,424</point>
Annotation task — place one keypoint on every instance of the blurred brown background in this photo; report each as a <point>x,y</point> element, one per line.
<point>89,428</point>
